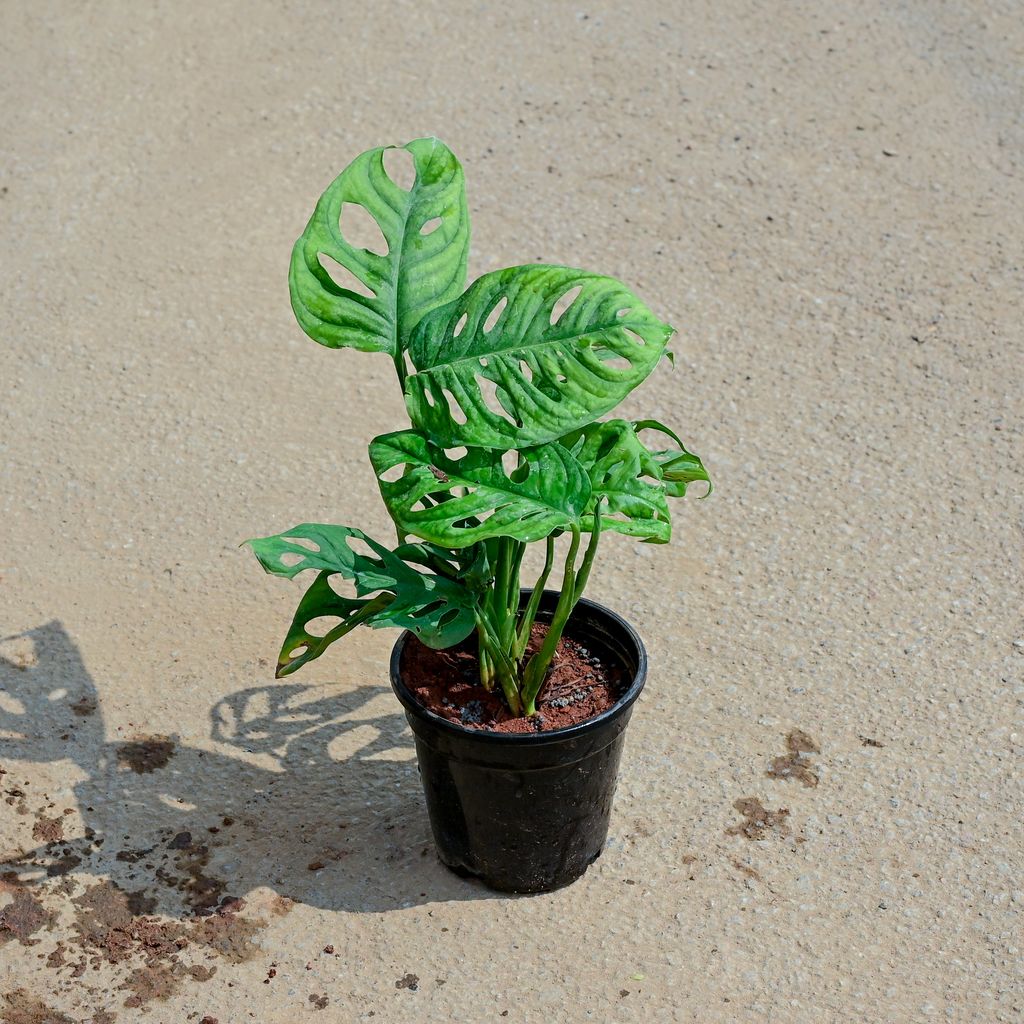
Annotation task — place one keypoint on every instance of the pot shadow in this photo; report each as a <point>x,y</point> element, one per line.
<point>325,807</point>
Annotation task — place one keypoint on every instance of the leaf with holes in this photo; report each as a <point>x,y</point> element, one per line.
<point>679,466</point>
<point>513,373</point>
<point>625,477</point>
<point>389,592</point>
<point>458,501</point>
<point>505,366</point>
<point>320,601</point>
<point>380,296</point>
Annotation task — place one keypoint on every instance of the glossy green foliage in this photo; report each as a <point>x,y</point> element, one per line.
<point>389,591</point>
<point>423,262</point>
<point>679,467</point>
<point>459,501</point>
<point>630,483</point>
<point>624,478</point>
<point>504,383</point>
<point>536,371</point>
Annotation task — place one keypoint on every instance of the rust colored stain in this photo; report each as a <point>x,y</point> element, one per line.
<point>22,918</point>
<point>48,830</point>
<point>20,1007</point>
<point>759,822</point>
<point>795,765</point>
<point>146,754</point>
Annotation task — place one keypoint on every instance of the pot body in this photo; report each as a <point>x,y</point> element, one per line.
<point>527,812</point>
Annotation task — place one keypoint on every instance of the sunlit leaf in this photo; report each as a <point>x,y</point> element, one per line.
<point>530,375</point>
<point>624,477</point>
<point>414,273</point>
<point>679,466</point>
<point>456,502</point>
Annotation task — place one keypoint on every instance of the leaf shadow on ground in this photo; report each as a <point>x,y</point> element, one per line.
<point>310,792</point>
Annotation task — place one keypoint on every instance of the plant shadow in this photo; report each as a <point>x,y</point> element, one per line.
<point>321,803</point>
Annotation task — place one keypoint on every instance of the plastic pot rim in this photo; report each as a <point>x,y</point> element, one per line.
<point>415,708</point>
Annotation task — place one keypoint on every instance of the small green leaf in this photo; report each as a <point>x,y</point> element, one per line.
<point>524,380</point>
<point>301,646</point>
<point>457,502</point>
<point>624,475</point>
<point>679,466</point>
<point>389,591</point>
<point>421,269</point>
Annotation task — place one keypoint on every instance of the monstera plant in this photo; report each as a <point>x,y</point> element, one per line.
<point>504,383</point>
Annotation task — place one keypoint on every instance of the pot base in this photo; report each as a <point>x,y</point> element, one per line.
<point>464,872</point>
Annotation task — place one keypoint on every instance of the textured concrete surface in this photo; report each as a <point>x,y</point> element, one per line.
<point>826,199</point>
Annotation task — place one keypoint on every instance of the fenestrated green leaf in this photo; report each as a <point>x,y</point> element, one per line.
<point>625,476</point>
<point>440,616</point>
<point>328,549</point>
<point>679,466</point>
<point>456,502</point>
<point>419,271</point>
<point>389,592</point>
<point>633,482</point>
<point>546,378</point>
<point>301,646</point>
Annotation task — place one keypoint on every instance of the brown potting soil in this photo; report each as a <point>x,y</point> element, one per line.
<point>579,686</point>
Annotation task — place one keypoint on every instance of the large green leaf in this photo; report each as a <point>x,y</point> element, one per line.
<point>456,502</point>
<point>625,478</point>
<point>527,380</point>
<point>389,591</point>
<point>418,272</point>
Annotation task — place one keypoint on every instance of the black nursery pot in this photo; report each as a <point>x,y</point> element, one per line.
<point>527,812</point>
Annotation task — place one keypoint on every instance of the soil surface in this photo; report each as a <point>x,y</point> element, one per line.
<point>447,683</point>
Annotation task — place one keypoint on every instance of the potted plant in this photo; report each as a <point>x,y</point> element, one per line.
<point>517,698</point>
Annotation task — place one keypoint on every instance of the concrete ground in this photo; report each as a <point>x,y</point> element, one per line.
<point>826,200</point>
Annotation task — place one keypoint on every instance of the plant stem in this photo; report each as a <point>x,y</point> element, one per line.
<point>508,632</point>
<point>505,669</point>
<point>399,360</point>
<point>495,601</point>
<point>502,577</point>
<point>530,613</point>
<point>588,558</point>
<point>537,667</point>
<point>503,642</point>
<point>486,667</point>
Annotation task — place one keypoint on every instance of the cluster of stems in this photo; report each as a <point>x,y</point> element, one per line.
<point>504,624</point>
